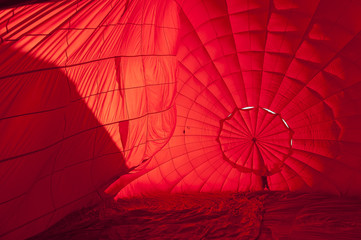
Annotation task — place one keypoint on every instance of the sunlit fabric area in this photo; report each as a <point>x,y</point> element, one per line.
<point>180,119</point>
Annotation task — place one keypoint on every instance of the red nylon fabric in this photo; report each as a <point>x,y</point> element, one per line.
<point>148,97</point>
<point>255,215</point>
<point>298,59</point>
<point>87,92</point>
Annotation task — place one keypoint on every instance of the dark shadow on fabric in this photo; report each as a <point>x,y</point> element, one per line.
<point>55,156</point>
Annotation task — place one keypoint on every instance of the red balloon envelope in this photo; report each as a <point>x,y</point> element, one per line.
<point>268,93</point>
<point>176,97</point>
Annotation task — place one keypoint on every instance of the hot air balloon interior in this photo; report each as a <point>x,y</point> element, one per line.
<point>180,119</point>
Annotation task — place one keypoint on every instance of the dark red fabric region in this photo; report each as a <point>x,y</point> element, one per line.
<point>259,215</point>
<point>55,155</point>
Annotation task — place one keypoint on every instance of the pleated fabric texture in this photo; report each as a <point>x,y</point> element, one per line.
<point>268,97</point>
<point>86,93</point>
